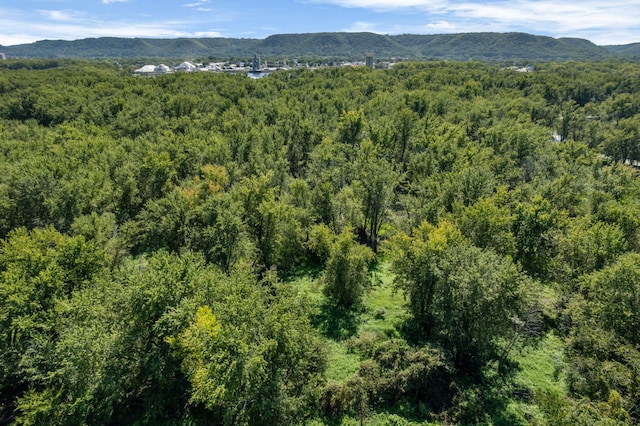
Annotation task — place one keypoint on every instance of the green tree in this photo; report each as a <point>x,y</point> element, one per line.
<point>603,343</point>
<point>162,224</point>
<point>300,136</point>
<point>375,184</point>
<point>564,411</point>
<point>588,246</point>
<point>465,297</point>
<point>622,143</point>
<point>413,260</point>
<point>488,224</point>
<point>568,118</point>
<point>480,299</point>
<point>215,228</point>
<point>533,225</point>
<point>404,132</point>
<point>250,354</point>
<point>38,270</point>
<point>350,127</point>
<point>329,171</point>
<point>612,293</point>
<point>346,276</point>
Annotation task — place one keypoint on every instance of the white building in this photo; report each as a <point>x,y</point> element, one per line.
<point>150,70</point>
<point>162,69</point>
<point>146,70</point>
<point>186,66</point>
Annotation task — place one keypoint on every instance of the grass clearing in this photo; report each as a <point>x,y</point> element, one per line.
<point>542,366</point>
<point>382,316</point>
<point>541,370</point>
<point>343,364</point>
<point>383,313</point>
<point>385,309</point>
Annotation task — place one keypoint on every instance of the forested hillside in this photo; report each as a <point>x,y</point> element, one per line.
<point>437,243</point>
<point>629,50</point>
<point>461,47</point>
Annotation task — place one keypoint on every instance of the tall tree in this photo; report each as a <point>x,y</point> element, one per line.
<point>375,183</point>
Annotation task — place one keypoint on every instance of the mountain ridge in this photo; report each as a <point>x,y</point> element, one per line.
<point>486,46</point>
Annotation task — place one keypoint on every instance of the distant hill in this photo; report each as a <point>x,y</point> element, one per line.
<point>113,47</point>
<point>632,49</point>
<point>478,46</point>
<point>500,47</point>
<point>334,44</point>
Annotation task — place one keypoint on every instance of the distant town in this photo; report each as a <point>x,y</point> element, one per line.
<point>255,68</point>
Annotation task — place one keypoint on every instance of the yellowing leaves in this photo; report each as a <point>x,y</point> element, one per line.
<point>204,328</point>
<point>206,323</point>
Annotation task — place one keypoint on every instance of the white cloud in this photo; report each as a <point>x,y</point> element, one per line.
<point>114,1</point>
<point>211,34</point>
<point>588,19</point>
<point>15,32</point>
<point>359,27</point>
<point>197,3</point>
<point>16,38</point>
<point>62,31</point>
<point>435,27</point>
<point>61,15</point>
<point>439,27</point>
<point>613,21</point>
<point>200,6</point>
<point>384,4</point>
<point>27,26</point>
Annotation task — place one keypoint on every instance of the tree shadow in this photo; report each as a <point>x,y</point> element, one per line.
<point>309,269</point>
<point>335,322</point>
<point>487,397</point>
<point>480,394</point>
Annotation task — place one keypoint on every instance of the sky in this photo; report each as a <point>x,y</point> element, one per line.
<point>601,21</point>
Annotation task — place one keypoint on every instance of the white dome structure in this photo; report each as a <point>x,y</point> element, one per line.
<point>162,69</point>
<point>186,66</point>
<point>153,70</point>
<point>147,69</point>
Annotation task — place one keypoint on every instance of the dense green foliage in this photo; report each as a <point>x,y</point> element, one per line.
<point>436,242</point>
<point>461,47</point>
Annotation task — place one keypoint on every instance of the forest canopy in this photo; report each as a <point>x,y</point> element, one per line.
<point>438,242</point>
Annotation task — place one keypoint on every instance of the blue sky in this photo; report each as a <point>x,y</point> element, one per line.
<point>601,21</point>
